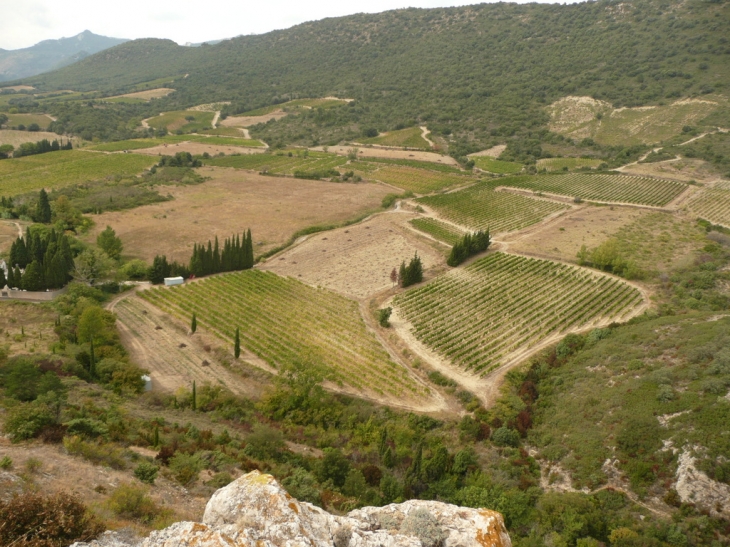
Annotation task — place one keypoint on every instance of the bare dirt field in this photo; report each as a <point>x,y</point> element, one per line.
<point>26,327</point>
<point>232,201</point>
<point>16,138</point>
<point>356,261</point>
<point>367,152</point>
<point>493,152</point>
<point>248,121</point>
<point>196,148</point>
<point>562,237</point>
<point>19,88</point>
<point>174,357</point>
<point>147,94</point>
<point>682,170</point>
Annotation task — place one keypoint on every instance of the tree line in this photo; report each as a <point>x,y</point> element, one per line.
<point>39,261</point>
<point>235,255</point>
<point>467,246</point>
<point>41,147</point>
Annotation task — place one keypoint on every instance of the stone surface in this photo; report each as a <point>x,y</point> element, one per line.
<point>255,511</point>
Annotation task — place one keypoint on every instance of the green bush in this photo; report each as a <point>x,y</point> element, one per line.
<point>422,524</point>
<point>132,502</point>
<point>87,427</point>
<point>26,421</point>
<point>185,467</point>
<point>97,453</point>
<point>504,436</point>
<point>384,317</point>
<point>6,463</point>
<point>146,472</point>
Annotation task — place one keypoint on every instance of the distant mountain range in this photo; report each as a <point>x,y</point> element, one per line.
<point>52,54</point>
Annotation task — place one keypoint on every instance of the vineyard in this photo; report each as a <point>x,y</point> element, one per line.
<point>498,167</point>
<point>479,207</point>
<point>186,121</point>
<point>603,187</point>
<point>437,229</point>
<point>285,322</point>
<point>66,167</point>
<point>559,164</point>
<point>481,316</point>
<point>420,181</point>
<point>282,164</point>
<point>713,204</point>
<point>140,144</point>
<point>408,138</point>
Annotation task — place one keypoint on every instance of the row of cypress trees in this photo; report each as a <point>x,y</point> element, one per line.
<point>467,246</point>
<point>41,147</point>
<point>39,262</point>
<point>412,273</point>
<point>236,254</point>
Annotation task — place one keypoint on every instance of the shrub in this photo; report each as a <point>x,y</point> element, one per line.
<point>440,380</point>
<point>132,502</point>
<point>27,421</point>
<point>423,525</point>
<point>504,436</point>
<point>146,472</point>
<point>35,520</point>
<point>185,467</point>
<point>86,427</point>
<point>6,463</point>
<point>384,317</point>
<point>99,454</point>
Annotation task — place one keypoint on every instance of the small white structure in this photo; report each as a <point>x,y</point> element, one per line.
<point>147,382</point>
<point>170,281</point>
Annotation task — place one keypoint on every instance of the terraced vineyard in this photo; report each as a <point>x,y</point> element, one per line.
<point>479,207</point>
<point>420,181</point>
<point>603,187</point>
<point>284,321</point>
<point>713,204</point>
<point>440,230</point>
<point>66,167</point>
<point>482,316</point>
<point>282,164</point>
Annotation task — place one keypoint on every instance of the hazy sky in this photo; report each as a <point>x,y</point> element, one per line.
<point>30,21</point>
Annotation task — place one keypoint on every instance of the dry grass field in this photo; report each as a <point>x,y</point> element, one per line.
<point>16,138</point>
<point>8,233</point>
<point>366,152</point>
<point>26,327</point>
<point>42,120</point>
<point>248,121</point>
<point>356,261</point>
<point>682,170</point>
<point>146,95</point>
<point>196,148</point>
<point>232,201</point>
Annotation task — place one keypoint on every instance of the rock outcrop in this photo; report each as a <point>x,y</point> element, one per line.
<point>255,511</point>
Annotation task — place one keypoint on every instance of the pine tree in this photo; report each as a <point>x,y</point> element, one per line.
<point>237,343</point>
<point>193,401</point>
<point>194,324</point>
<point>110,243</point>
<point>43,208</point>
<point>92,360</point>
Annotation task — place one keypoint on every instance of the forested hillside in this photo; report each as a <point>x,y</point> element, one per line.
<point>471,73</point>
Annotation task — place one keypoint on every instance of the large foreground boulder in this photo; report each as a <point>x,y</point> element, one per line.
<point>255,511</point>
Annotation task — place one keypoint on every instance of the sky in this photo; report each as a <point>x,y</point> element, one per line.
<point>30,21</point>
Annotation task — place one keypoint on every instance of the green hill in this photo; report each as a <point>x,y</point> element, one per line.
<point>477,73</point>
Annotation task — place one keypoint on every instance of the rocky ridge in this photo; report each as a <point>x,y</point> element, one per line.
<point>255,511</point>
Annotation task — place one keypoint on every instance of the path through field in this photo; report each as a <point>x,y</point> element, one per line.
<point>424,136</point>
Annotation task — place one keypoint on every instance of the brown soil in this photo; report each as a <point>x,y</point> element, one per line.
<point>174,356</point>
<point>197,148</point>
<point>493,152</point>
<point>248,121</point>
<point>356,261</point>
<point>232,201</point>
<point>368,152</point>
<point>682,170</point>
<point>148,94</point>
<point>563,237</point>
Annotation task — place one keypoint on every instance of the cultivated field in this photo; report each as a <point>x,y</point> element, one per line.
<point>713,204</point>
<point>274,208</point>
<point>448,233</point>
<point>485,163</point>
<point>285,322</point>
<point>298,104</point>
<point>489,313</point>
<point>146,95</point>
<point>65,167</point>
<point>140,144</point>
<point>420,181</point>
<point>248,121</point>
<point>41,120</point>
<point>199,148</point>
<point>16,138</point>
<point>357,260</point>
<point>407,138</point>
<point>480,207</point>
<point>558,164</point>
<point>602,187</point>
<point>178,120</point>
<point>173,358</point>
<point>493,152</point>
<point>682,170</point>
<point>366,152</point>
<point>282,163</point>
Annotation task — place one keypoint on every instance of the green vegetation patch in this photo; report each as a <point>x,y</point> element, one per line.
<point>480,207</point>
<point>481,316</point>
<point>186,121</point>
<point>564,164</point>
<point>603,187</point>
<point>66,167</point>
<point>498,167</point>
<point>283,163</point>
<point>421,181</point>
<point>407,138</point>
<point>28,120</point>
<point>442,231</point>
<point>295,105</point>
<point>284,322</point>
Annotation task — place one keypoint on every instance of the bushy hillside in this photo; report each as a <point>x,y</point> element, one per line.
<point>474,72</point>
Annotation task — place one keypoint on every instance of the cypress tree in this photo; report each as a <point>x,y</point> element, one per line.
<point>92,360</point>
<point>3,281</point>
<point>237,343</point>
<point>156,438</point>
<point>32,279</point>
<point>43,208</point>
<point>248,256</point>
<point>194,324</point>
<point>193,401</point>
<point>17,278</point>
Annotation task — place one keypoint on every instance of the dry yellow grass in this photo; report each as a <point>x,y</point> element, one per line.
<point>148,94</point>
